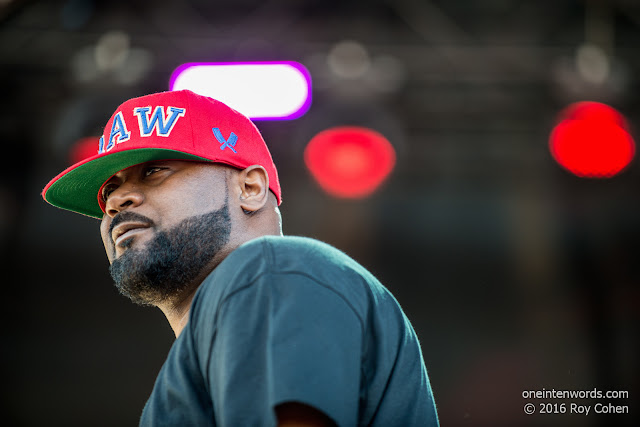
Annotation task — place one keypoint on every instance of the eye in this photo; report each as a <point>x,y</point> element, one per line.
<point>107,190</point>
<point>151,170</point>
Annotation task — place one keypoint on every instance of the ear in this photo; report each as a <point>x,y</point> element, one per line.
<point>254,188</point>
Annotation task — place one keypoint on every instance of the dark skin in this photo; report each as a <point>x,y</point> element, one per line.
<point>166,192</point>
<point>169,191</point>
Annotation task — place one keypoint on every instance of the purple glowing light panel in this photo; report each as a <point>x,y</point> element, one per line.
<point>259,90</point>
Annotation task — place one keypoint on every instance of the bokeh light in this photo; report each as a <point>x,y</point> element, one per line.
<point>259,90</point>
<point>349,59</point>
<point>592,140</point>
<point>349,161</point>
<point>83,148</point>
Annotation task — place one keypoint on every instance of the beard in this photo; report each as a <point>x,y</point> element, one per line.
<point>169,263</point>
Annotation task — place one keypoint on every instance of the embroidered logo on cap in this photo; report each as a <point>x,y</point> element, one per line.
<point>148,122</point>
<point>231,142</point>
<point>159,122</point>
<point>119,129</point>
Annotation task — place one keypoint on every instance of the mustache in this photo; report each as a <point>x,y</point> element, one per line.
<point>127,216</point>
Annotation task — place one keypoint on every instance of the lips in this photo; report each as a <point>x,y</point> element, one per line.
<point>127,229</point>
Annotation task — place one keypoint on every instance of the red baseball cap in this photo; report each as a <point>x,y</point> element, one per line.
<point>177,125</point>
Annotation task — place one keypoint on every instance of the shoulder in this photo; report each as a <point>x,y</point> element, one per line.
<point>293,261</point>
<point>285,256</point>
<point>283,248</point>
<point>316,260</point>
<point>289,245</point>
<point>288,254</point>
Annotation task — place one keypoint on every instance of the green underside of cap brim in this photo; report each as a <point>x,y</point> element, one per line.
<point>77,190</point>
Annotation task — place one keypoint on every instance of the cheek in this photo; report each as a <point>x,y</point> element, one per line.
<point>177,206</point>
<point>106,239</point>
<point>193,191</point>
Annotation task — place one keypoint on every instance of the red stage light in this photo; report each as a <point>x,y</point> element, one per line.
<point>349,161</point>
<point>83,148</point>
<point>592,140</point>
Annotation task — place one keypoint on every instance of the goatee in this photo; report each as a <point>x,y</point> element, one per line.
<point>169,263</point>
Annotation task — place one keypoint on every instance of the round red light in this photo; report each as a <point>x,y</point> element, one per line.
<point>349,161</point>
<point>592,140</point>
<point>83,148</point>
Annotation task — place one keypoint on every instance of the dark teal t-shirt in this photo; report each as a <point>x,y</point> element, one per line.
<point>292,319</point>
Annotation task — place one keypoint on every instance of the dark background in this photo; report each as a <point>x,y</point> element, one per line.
<point>515,274</point>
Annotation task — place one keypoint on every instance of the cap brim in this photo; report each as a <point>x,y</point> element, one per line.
<point>76,188</point>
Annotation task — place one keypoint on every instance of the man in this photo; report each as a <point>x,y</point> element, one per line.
<point>270,330</point>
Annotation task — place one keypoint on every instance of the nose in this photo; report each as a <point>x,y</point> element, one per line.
<point>126,196</point>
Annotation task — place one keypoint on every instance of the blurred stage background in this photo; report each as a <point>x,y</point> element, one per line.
<point>516,274</point>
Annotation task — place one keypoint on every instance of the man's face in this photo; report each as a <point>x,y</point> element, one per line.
<point>165,223</point>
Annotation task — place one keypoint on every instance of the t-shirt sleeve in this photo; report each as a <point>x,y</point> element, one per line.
<point>284,338</point>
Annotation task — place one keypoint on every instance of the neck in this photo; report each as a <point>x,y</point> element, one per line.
<point>176,309</point>
<point>177,312</point>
